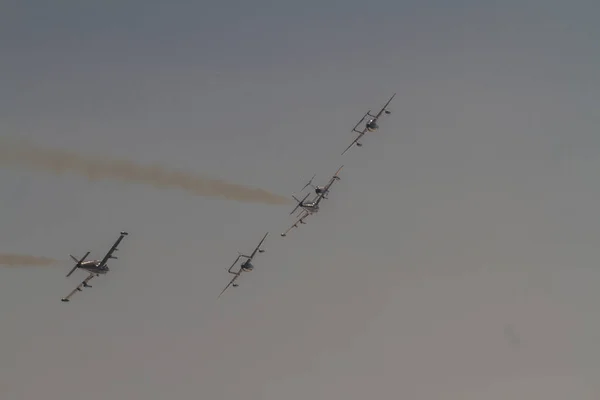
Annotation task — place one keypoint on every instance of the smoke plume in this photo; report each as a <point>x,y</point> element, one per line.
<point>60,161</point>
<point>18,260</point>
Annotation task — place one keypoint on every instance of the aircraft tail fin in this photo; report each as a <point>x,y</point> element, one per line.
<point>309,182</point>
<point>78,263</point>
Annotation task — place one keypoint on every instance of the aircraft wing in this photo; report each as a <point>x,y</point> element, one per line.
<point>325,191</point>
<point>384,107</point>
<point>258,247</point>
<point>302,216</point>
<point>78,288</point>
<point>334,178</point>
<point>360,134</point>
<point>231,282</point>
<point>112,250</point>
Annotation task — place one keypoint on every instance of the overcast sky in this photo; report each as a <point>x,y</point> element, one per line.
<point>457,257</point>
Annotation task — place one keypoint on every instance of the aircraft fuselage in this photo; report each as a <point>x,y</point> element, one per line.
<point>247,266</point>
<point>92,267</point>
<point>372,125</point>
<point>312,208</point>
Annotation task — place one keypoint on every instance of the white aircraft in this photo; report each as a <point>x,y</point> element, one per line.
<point>371,125</point>
<point>245,266</point>
<point>93,267</point>
<point>312,207</point>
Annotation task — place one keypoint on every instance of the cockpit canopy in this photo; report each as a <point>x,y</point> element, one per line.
<point>247,266</point>
<point>372,125</point>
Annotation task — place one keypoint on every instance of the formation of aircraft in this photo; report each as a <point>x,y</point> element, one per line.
<point>371,125</point>
<point>92,267</point>
<point>312,206</point>
<point>245,266</point>
<point>306,207</point>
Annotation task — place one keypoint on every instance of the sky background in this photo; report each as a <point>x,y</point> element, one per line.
<point>457,258</point>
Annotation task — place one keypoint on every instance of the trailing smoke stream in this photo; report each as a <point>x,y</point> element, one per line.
<point>18,260</point>
<point>60,161</point>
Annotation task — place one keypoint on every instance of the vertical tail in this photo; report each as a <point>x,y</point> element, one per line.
<point>78,263</point>
<point>309,182</point>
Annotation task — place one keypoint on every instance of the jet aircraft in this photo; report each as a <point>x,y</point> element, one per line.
<point>311,207</point>
<point>371,125</point>
<point>245,266</point>
<point>92,267</point>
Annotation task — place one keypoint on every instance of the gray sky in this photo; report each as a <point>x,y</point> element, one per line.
<point>456,259</point>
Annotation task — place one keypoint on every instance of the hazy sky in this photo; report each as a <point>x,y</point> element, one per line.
<point>456,259</point>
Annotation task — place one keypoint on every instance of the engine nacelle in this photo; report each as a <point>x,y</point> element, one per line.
<point>261,250</point>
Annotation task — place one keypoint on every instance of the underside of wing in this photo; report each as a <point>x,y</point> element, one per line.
<point>230,283</point>
<point>303,215</point>
<point>355,140</point>
<point>334,178</point>
<point>79,288</point>
<point>114,248</point>
<point>384,107</point>
<point>258,247</point>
